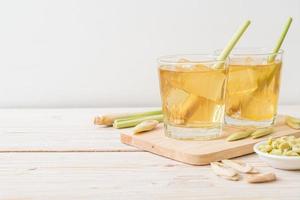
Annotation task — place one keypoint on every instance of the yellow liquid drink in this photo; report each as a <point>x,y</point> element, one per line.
<point>252,91</point>
<point>193,99</point>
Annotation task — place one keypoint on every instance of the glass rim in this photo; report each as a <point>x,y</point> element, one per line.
<point>251,51</point>
<point>173,59</point>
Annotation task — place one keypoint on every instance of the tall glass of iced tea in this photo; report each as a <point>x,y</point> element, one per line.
<point>253,87</point>
<point>193,95</point>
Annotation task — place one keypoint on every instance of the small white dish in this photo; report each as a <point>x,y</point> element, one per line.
<point>276,161</point>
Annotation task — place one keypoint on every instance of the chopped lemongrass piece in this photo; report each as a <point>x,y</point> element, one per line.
<point>262,132</point>
<point>292,124</point>
<point>109,119</point>
<point>135,121</point>
<point>239,135</point>
<point>147,125</point>
<point>293,119</point>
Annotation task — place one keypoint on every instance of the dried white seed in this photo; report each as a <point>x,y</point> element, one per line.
<point>261,178</point>
<point>221,170</point>
<point>238,166</point>
<point>232,178</point>
<point>253,171</point>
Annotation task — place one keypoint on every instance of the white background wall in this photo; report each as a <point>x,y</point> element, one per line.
<point>59,53</point>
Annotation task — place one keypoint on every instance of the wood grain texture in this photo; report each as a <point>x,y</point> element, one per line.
<point>200,152</point>
<point>119,173</point>
<point>129,175</point>
<point>63,130</point>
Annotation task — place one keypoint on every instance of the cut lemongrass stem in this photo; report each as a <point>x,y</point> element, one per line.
<point>136,121</point>
<point>280,40</point>
<point>231,44</point>
<point>139,115</point>
<point>109,119</point>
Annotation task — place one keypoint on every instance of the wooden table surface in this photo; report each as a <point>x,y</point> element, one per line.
<point>59,154</point>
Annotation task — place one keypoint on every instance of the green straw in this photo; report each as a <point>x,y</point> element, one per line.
<point>230,45</point>
<point>280,40</point>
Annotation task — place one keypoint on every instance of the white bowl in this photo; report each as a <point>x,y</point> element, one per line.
<point>276,161</point>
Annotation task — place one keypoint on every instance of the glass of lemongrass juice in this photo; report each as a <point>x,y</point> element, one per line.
<point>193,95</point>
<point>253,87</point>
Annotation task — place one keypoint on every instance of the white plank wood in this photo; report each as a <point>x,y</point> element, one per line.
<point>109,175</point>
<point>128,175</point>
<point>58,130</point>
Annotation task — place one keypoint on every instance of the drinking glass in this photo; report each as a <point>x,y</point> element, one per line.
<point>193,95</point>
<point>253,87</point>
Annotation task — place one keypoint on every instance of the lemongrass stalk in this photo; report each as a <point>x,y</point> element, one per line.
<point>191,101</point>
<point>109,119</point>
<point>281,39</point>
<point>231,44</point>
<point>135,121</point>
<point>276,50</point>
<point>266,81</point>
<point>139,115</point>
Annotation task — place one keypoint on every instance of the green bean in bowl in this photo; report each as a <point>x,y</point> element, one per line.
<point>282,153</point>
